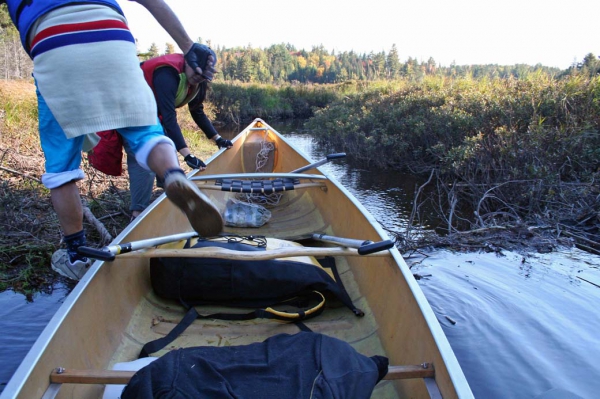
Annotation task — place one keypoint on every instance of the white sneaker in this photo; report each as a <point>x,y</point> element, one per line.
<point>203,215</point>
<point>62,265</point>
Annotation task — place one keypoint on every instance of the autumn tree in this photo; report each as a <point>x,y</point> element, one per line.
<point>153,51</point>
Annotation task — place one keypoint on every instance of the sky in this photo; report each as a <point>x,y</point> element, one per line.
<point>549,32</point>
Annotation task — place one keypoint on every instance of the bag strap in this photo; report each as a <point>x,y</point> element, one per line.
<point>158,344</point>
<point>267,313</point>
<point>329,263</point>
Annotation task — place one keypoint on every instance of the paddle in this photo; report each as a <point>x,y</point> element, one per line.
<point>222,253</point>
<point>108,253</point>
<point>319,163</point>
<point>350,247</point>
<point>364,247</point>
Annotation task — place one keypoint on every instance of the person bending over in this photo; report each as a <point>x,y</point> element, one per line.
<point>71,42</point>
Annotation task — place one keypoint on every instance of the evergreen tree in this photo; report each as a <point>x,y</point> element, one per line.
<point>169,48</point>
<point>153,51</point>
<point>590,65</point>
<point>393,63</point>
<point>379,65</point>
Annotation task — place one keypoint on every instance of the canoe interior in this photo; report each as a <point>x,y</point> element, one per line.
<point>113,311</point>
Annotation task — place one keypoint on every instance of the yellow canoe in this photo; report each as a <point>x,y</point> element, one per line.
<point>113,311</point>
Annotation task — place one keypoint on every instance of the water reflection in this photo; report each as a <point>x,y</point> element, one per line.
<point>21,322</point>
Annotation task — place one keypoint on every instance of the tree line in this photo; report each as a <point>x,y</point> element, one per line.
<point>284,63</point>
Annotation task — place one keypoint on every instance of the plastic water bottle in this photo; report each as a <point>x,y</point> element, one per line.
<point>243,214</point>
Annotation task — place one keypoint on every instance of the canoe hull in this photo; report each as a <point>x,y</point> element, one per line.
<point>110,313</point>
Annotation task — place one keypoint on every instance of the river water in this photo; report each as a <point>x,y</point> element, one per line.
<point>520,325</point>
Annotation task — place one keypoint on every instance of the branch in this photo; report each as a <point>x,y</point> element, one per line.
<point>414,209</point>
<point>20,174</point>
<point>104,234</point>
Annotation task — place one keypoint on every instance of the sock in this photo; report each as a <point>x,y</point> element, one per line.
<point>73,242</point>
<point>177,170</point>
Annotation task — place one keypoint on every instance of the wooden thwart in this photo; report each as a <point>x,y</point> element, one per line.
<point>75,376</point>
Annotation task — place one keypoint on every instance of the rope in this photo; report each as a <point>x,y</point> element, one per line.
<point>261,199</point>
<point>266,147</point>
<point>262,158</point>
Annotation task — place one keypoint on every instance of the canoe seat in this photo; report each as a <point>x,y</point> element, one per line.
<point>257,186</point>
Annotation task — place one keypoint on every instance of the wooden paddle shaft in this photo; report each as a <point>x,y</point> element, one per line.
<point>346,242</point>
<point>222,253</point>
<point>74,376</point>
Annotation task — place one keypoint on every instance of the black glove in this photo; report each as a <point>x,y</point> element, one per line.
<point>223,143</point>
<point>194,162</point>
<point>197,57</point>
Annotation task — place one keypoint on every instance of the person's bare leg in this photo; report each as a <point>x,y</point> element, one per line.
<point>67,204</point>
<point>162,158</point>
<point>203,215</point>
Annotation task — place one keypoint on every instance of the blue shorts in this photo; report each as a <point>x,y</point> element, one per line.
<point>63,155</point>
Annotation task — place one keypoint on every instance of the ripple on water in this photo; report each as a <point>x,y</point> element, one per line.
<point>524,325</point>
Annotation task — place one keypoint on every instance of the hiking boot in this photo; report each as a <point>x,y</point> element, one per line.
<point>62,265</point>
<point>203,215</point>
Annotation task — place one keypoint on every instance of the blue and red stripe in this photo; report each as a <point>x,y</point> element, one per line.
<point>80,33</point>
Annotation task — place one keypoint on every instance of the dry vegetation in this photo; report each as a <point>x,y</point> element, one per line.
<point>512,158</point>
<point>30,228</point>
<point>550,203</point>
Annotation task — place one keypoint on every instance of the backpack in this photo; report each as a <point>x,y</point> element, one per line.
<point>303,365</point>
<point>283,290</point>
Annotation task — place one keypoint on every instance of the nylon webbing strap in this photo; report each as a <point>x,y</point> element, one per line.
<point>268,313</point>
<point>329,262</point>
<point>158,344</point>
<point>256,186</point>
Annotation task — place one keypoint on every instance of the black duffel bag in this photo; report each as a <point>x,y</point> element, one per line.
<point>242,283</point>
<point>303,365</point>
<point>275,289</point>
